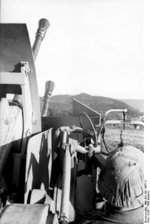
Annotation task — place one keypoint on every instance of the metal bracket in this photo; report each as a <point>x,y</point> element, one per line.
<point>25,67</point>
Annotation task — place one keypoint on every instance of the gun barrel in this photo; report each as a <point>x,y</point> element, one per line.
<point>49,87</point>
<point>40,34</point>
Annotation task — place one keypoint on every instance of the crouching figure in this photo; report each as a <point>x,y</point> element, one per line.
<point>121,184</point>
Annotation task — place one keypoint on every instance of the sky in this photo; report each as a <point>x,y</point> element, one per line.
<point>92,46</point>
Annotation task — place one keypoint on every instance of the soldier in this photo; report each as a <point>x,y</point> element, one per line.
<point>121,185</point>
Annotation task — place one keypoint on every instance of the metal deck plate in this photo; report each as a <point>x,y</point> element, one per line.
<point>24,214</point>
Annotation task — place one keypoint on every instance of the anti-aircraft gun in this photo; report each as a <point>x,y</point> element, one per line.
<point>43,160</point>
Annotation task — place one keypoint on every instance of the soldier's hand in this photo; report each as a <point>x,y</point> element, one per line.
<point>92,150</point>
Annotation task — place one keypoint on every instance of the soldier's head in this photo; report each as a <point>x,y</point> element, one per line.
<point>121,183</point>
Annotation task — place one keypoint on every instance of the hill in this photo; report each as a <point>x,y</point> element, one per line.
<point>137,104</point>
<point>61,105</point>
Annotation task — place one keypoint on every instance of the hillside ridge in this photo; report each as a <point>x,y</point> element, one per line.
<point>61,105</point>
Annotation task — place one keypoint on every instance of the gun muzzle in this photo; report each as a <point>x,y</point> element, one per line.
<point>49,87</point>
<point>40,34</point>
